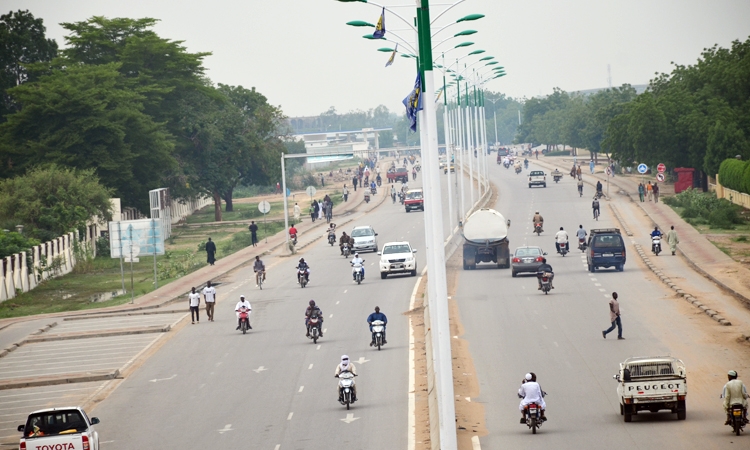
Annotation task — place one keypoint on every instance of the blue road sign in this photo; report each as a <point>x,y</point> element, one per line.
<point>642,168</point>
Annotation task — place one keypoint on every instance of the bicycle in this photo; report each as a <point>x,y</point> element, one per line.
<point>259,277</point>
<point>596,214</point>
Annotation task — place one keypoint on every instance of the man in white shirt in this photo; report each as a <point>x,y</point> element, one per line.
<point>243,304</point>
<point>194,300</point>
<point>357,261</point>
<point>531,392</point>
<point>209,295</point>
<point>561,240</point>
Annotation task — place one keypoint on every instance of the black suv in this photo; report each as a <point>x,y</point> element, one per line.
<point>606,248</point>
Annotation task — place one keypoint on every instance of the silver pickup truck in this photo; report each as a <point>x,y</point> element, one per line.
<point>59,428</point>
<point>652,383</point>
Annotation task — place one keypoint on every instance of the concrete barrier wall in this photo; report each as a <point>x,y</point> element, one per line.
<point>736,197</point>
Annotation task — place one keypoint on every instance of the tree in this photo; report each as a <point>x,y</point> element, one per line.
<point>51,201</point>
<point>86,117</point>
<point>22,42</point>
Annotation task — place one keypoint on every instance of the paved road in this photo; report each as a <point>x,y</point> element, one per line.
<point>516,329</point>
<point>274,389</point>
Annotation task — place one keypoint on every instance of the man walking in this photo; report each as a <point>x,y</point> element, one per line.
<point>209,295</point>
<point>297,212</point>
<point>354,182</point>
<point>649,191</point>
<point>672,240</point>
<point>655,188</point>
<point>194,300</point>
<point>210,252</point>
<point>253,233</point>
<point>346,193</point>
<point>614,317</point>
<point>641,191</point>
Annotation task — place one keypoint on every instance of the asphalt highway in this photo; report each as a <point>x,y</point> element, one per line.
<point>212,387</point>
<point>512,329</point>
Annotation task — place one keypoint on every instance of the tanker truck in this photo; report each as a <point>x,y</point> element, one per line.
<point>486,239</point>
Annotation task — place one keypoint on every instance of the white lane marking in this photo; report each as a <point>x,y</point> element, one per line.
<point>349,418</point>
<point>474,443</point>
<point>606,296</point>
<point>361,360</point>
<point>289,417</point>
<point>345,291</point>
<point>162,379</point>
<point>325,330</point>
<point>597,284</point>
<point>227,427</point>
<point>310,367</point>
<point>259,369</point>
<point>301,388</point>
<point>318,347</point>
<point>523,287</point>
<point>330,316</point>
<point>602,290</point>
<point>278,446</point>
<point>593,279</point>
<point>412,387</point>
<point>337,301</point>
<point>544,326</point>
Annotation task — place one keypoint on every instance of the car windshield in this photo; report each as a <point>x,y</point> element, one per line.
<point>389,249</point>
<point>359,232</point>
<point>401,169</point>
<point>414,195</point>
<point>532,251</point>
<point>54,423</point>
<point>536,173</point>
<point>608,241</point>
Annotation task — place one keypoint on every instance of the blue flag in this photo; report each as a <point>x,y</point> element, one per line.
<point>413,103</point>
<point>393,56</point>
<point>380,27</point>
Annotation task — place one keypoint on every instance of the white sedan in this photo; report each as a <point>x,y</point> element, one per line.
<point>397,257</point>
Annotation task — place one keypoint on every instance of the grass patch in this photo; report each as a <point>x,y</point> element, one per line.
<point>242,211</point>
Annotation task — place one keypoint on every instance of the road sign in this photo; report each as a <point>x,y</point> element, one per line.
<point>264,207</point>
<point>608,171</point>
<point>311,191</point>
<point>661,168</point>
<point>642,168</point>
<point>660,177</point>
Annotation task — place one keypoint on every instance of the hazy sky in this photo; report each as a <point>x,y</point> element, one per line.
<point>302,56</point>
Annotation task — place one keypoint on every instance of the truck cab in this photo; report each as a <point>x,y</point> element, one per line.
<point>652,383</point>
<point>59,428</point>
<point>414,200</point>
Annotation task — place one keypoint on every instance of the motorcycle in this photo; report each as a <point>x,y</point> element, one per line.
<point>582,244</point>
<point>380,181</point>
<point>737,418</point>
<point>413,175</point>
<point>418,167</point>
<point>313,328</point>
<point>373,190</point>
<point>533,412</point>
<point>346,385</point>
<point>293,237</point>
<point>401,197</point>
<point>656,245</point>
<point>358,272</point>
<point>557,178</point>
<point>599,194</point>
<point>518,169</point>
<point>346,251</point>
<point>367,197</point>
<point>526,164</point>
<point>538,229</point>
<point>331,238</point>
<point>563,249</point>
<point>378,327</point>
<point>506,164</point>
<point>546,282</point>
<point>303,277</point>
<point>244,320</point>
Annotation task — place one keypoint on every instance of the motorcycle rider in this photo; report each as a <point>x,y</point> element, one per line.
<point>359,261</point>
<point>526,163</point>
<point>595,207</point>
<point>734,393</point>
<point>292,233</point>
<point>346,366</point>
<point>393,193</point>
<point>655,233</point>
<point>243,304</point>
<point>541,270</point>
<point>581,233</point>
<point>556,173</point>
<point>561,239</point>
<point>538,219</point>
<point>303,267</point>
<point>373,187</point>
<point>331,231</point>
<point>599,192</point>
<point>343,240</point>
<point>531,392</point>
<point>377,315</point>
<point>580,187</point>
<point>313,308</point>
<point>258,266</point>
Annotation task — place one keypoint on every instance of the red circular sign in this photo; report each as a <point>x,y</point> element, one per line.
<point>660,177</point>
<point>661,168</point>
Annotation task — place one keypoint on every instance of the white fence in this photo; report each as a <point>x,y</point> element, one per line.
<point>738,198</point>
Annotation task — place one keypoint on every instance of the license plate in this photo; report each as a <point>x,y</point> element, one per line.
<point>528,260</point>
<point>397,266</point>
<point>608,254</point>
<point>737,412</point>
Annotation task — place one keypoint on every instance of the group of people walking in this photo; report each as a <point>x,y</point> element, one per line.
<point>648,192</point>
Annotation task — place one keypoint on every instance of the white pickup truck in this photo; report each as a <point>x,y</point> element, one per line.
<point>59,429</point>
<point>537,178</point>
<point>652,383</point>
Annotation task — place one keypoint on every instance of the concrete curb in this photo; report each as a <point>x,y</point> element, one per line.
<point>623,224</point>
<point>15,345</point>
<point>123,314</point>
<point>98,334</point>
<point>681,293</point>
<point>59,379</point>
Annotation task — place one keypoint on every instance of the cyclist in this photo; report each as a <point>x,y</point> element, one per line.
<point>260,271</point>
<point>580,187</point>
<point>595,207</point>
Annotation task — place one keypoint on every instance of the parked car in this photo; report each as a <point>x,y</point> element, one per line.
<point>606,248</point>
<point>397,257</point>
<point>365,239</point>
<point>526,259</point>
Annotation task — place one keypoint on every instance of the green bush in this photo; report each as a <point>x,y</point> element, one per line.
<point>724,217</point>
<point>700,209</point>
<point>735,174</point>
<point>12,242</point>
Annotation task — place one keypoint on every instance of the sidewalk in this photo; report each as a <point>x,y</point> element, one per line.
<point>166,294</point>
<point>699,252</point>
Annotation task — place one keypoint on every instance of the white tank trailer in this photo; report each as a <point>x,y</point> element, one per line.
<point>486,239</point>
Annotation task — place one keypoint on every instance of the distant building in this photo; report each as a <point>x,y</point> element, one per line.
<point>325,148</point>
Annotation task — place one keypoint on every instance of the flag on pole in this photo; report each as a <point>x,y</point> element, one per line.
<point>393,56</point>
<point>413,103</point>
<point>380,27</point>
<point>440,92</point>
